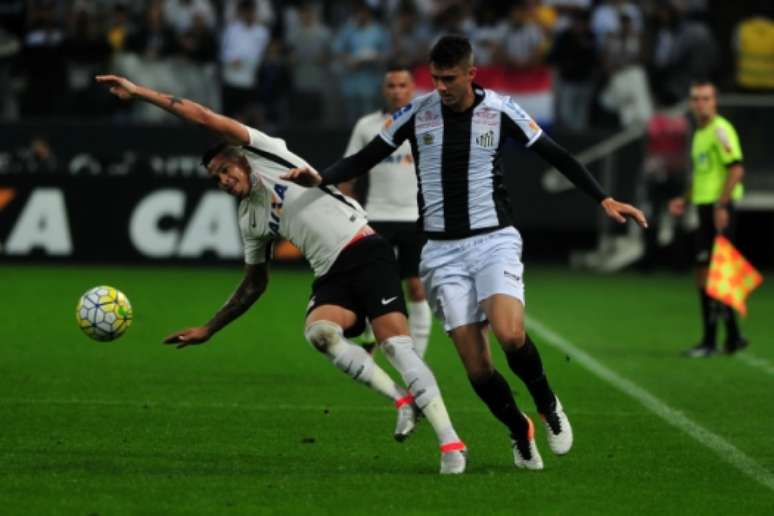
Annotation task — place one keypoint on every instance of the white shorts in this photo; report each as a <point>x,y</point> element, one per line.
<point>459,274</point>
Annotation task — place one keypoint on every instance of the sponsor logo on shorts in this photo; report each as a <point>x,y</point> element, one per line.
<point>510,275</point>
<point>387,301</point>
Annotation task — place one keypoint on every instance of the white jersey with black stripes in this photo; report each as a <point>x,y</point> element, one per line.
<point>319,221</point>
<point>461,191</point>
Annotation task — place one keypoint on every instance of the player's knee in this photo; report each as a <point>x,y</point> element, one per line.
<point>415,290</point>
<point>323,335</point>
<point>480,375</point>
<point>398,347</point>
<point>510,336</point>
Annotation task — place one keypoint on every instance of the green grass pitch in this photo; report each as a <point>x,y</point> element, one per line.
<point>256,422</point>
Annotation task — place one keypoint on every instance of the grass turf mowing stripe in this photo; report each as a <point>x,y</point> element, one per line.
<point>714,442</point>
<point>756,362</point>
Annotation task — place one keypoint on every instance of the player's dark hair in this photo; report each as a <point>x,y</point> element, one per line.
<point>450,51</point>
<point>398,66</point>
<point>702,82</point>
<point>212,152</point>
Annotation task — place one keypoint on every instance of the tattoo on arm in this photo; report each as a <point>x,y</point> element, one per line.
<point>243,298</point>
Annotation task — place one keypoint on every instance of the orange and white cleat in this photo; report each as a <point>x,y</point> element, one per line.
<point>408,415</point>
<point>454,458</point>
<point>525,452</point>
<point>558,429</point>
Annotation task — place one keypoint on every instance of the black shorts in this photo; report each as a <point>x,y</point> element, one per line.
<point>705,236</point>
<point>407,241</point>
<point>363,279</point>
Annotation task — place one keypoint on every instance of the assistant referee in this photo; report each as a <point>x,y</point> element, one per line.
<point>715,187</point>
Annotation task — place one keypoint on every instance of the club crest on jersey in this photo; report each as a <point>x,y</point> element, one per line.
<point>277,200</point>
<point>427,138</point>
<point>486,139</point>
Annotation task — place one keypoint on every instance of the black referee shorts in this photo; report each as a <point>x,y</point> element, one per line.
<point>705,236</point>
<point>364,279</point>
<point>407,240</point>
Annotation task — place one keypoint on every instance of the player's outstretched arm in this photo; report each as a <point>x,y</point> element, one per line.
<point>188,110</point>
<point>573,170</point>
<point>619,211</point>
<point>249,290</point>
<point>345,169</point>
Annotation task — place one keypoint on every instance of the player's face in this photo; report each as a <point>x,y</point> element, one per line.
<point>231,175</point>
<point>398,89</point>
<point>703,102</point>
<point>453,84</point>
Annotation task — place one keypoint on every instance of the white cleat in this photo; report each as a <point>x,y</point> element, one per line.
<point>407,422</point>
<point>454,458</point>
<point>558,429</point>
<point>525,452</point>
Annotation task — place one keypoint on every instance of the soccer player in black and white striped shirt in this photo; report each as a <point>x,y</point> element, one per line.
<point>471,266</point>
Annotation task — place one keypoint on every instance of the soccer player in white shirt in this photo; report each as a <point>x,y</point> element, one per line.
<point>391,199</point>
<point>355,270</point>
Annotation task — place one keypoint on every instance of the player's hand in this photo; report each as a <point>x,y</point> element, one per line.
<point>618,211</point>
<point>121,87</point>
<point>189,336</point>
<point>721,218</point>
<point>304,176</point>
<point>677,206</point>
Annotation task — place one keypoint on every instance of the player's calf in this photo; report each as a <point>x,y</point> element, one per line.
<point>423,387</point>
<point>328,338</point>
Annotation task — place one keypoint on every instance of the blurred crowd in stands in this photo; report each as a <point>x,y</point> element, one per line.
<point>580,63</point>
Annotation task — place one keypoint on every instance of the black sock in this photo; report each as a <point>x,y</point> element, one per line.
<point>496,394</point>
<point>525,362</point>
<point>732,326</point>
<point>709,319</point>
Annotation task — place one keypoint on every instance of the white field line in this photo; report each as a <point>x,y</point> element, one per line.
<point>727,451</point>
<point>378,406</point>
<point>757,362</point>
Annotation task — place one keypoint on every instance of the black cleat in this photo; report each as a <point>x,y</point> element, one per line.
<point>739,344</point>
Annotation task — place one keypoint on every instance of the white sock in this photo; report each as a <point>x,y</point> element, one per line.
<point>420,323</point>
<point>422,385</point>
<point>353,360</point>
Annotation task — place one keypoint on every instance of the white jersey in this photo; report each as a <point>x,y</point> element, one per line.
<point>319,221</point>
<point>392,184</point>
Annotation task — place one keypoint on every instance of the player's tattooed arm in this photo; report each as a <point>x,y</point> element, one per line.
<point>249,290</point>
<point>253,285</point>
<point>174,100</point>
<point>186,109</point>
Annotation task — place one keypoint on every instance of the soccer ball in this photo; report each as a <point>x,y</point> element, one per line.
<point>104,313</point>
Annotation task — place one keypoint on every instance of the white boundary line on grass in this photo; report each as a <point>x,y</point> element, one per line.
<point>714,442</point>
<point>757,362</point>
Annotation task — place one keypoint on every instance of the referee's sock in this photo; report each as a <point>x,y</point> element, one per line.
<point>495,392</point>
<point>526,363</point>
<point>732,326</point>
<point>709,319</point>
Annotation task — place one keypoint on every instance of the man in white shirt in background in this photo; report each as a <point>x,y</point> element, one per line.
<point>243,46</point>
<point>391,199</point>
